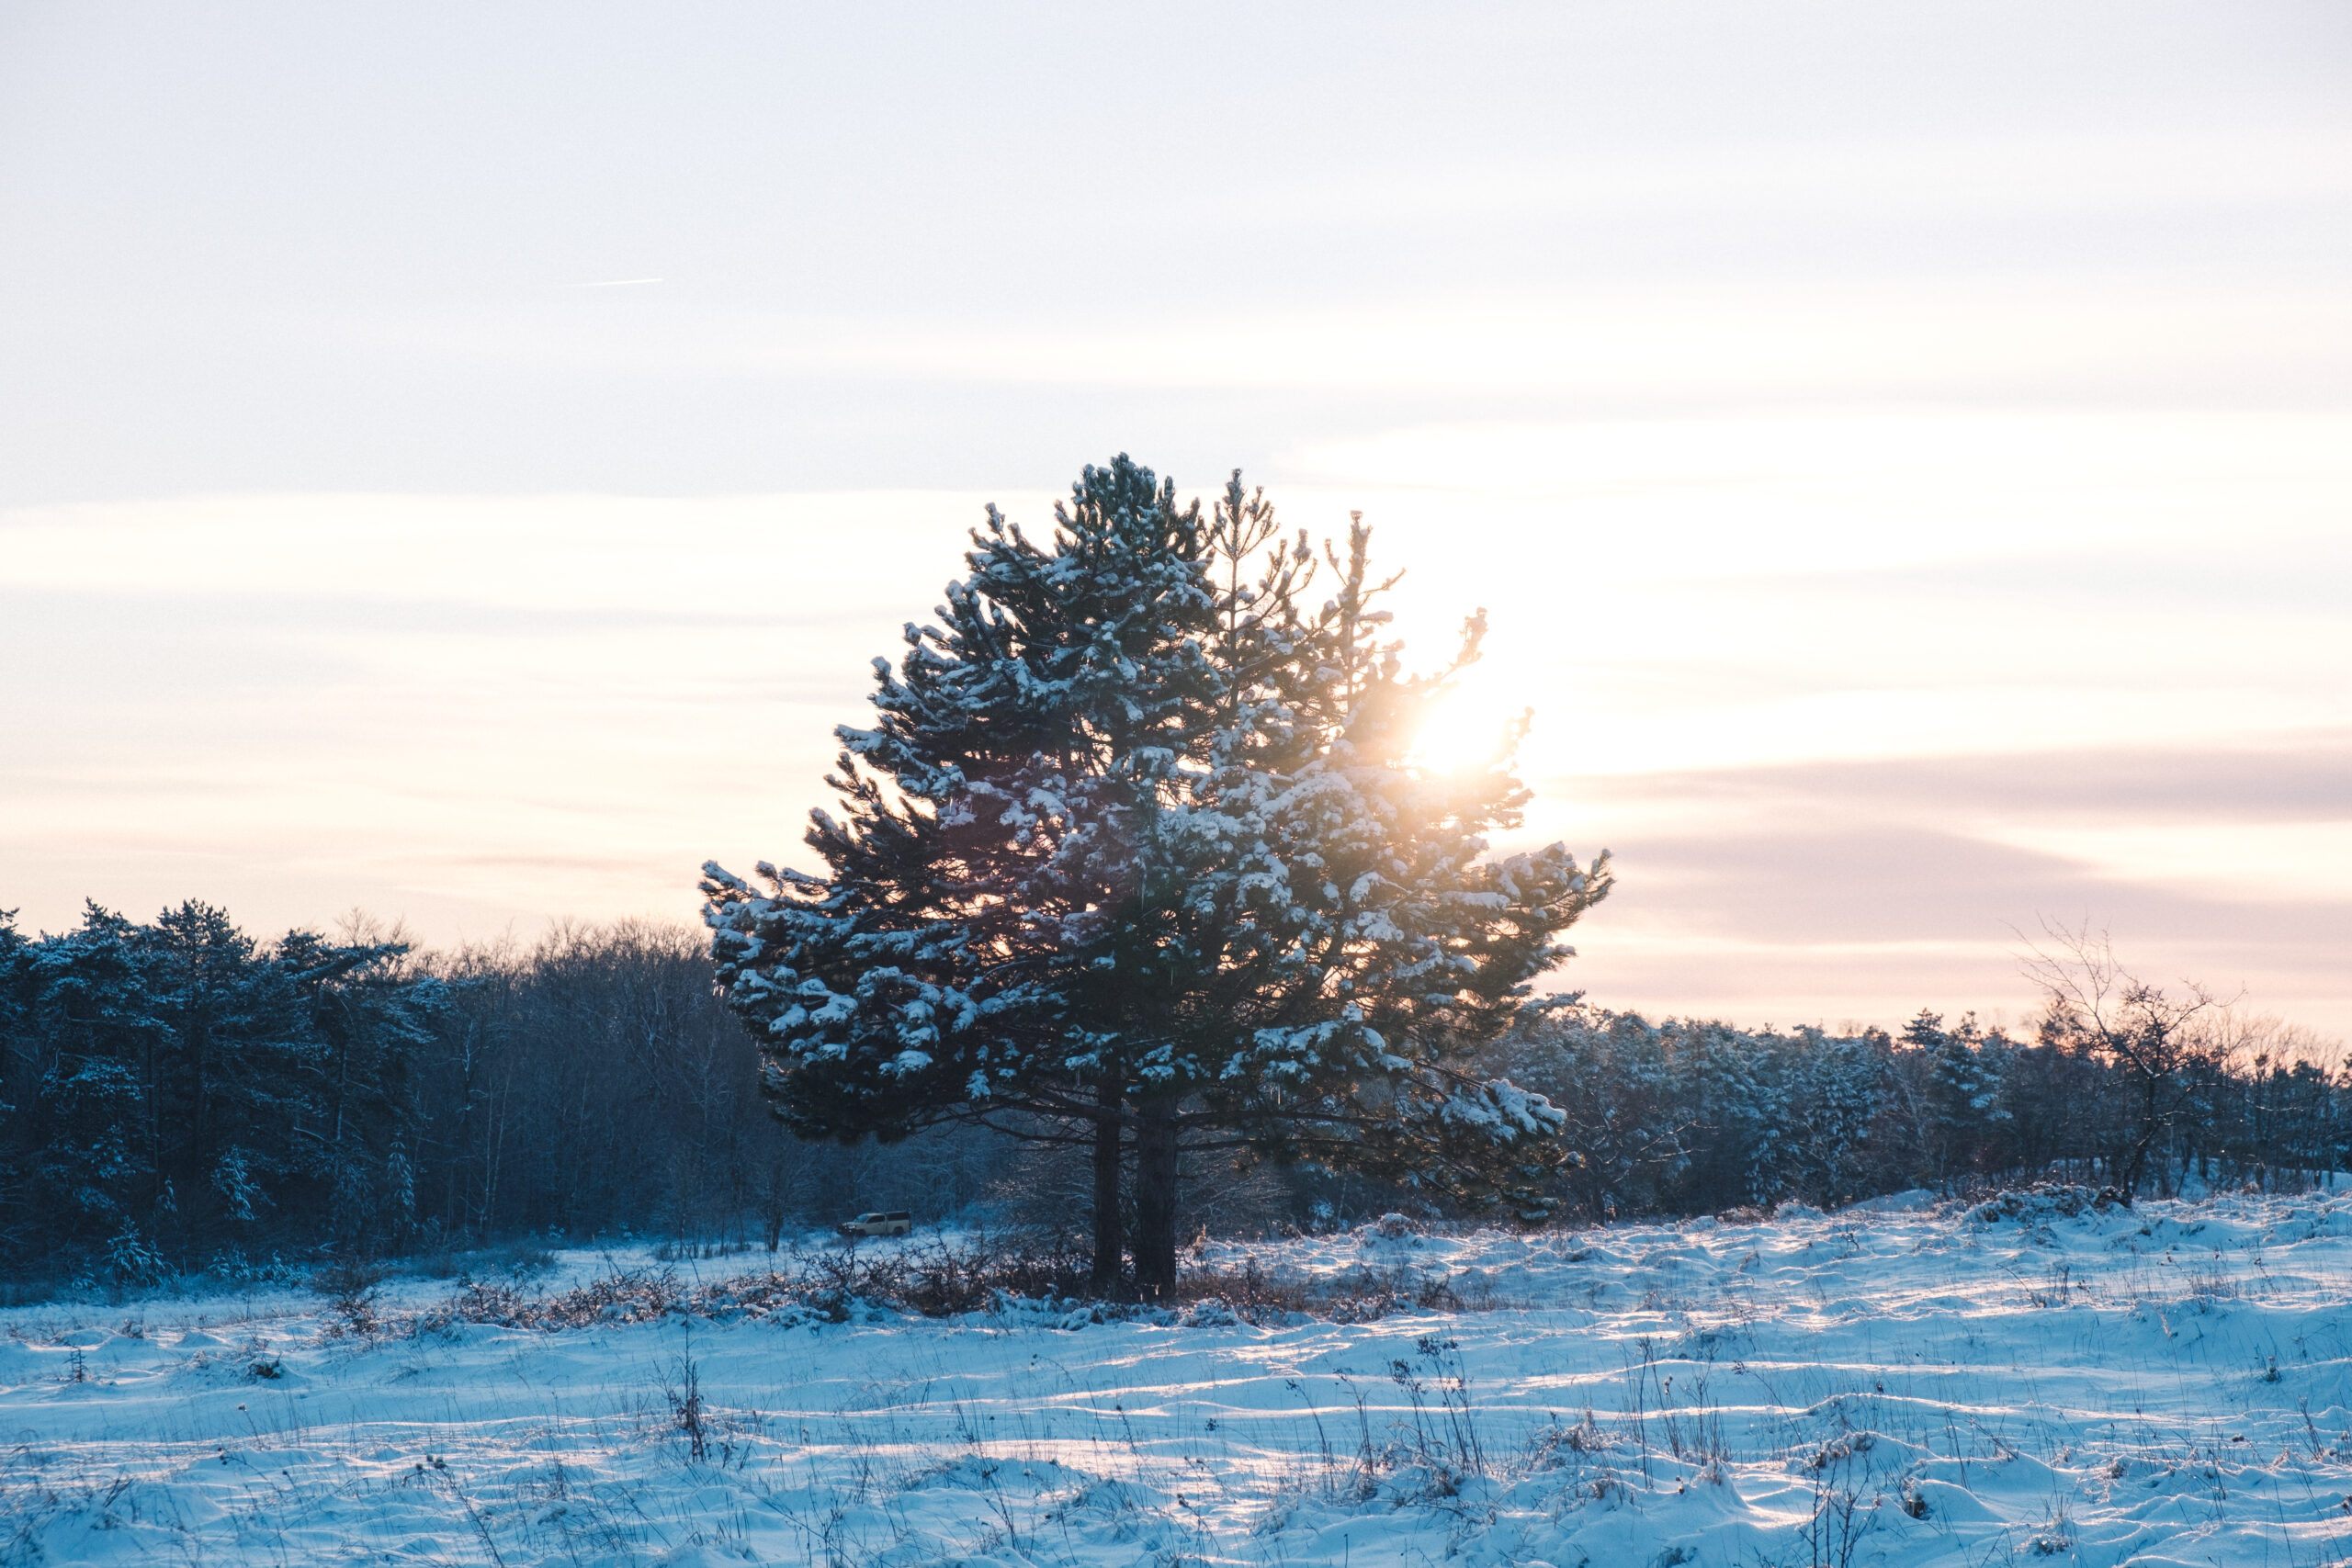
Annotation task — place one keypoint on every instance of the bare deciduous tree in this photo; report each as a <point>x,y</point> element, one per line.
<point>2157,1041</point>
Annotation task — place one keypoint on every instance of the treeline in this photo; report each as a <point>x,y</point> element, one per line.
<point>1688,1117</point>
<point>178,1096</point>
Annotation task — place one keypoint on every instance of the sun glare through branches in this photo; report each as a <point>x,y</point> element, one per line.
<point>1472,725</point>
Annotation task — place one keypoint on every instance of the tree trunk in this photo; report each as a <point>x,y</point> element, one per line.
<point>1155,1244</point>
<point>2151,1122</point>
<point>1110,1239</point>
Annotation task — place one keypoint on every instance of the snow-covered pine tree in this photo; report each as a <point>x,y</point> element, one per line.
<point>224,1069</point>
<point>1138,842</point>
<point>79,1161</point>
<point>1613,1077</point>
<point>370,1018</point>
<point>1963,1090</point>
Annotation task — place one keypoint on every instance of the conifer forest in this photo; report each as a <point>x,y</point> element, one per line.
<point>182,1097</point>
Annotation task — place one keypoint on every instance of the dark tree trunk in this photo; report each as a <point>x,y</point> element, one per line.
<point>1155,1244</point>
<point>1110,1239</point>
<point>2151,1121</point>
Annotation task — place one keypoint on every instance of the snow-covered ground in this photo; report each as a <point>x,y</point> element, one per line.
<point>1909,1384</point>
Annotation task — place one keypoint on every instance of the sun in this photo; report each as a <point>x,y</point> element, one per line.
<point>1465,729</point>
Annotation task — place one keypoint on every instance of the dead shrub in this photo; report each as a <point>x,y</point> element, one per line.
<point>350,1285</point>
<point>1356,1295</point>
<point>941,1280</point>
<point>828,1284</point>
<point>1251,1293</point>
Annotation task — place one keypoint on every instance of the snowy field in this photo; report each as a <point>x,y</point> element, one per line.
<point>1906,1385</point>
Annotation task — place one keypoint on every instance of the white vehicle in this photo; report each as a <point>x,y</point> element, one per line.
<point>897,1221</point>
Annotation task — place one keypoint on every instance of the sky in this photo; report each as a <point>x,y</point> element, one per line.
<point>458,462</point>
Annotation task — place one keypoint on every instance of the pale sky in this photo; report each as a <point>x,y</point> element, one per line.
<point>458,461</point>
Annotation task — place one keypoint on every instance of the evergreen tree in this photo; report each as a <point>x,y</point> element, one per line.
<point>222,1070</point>
<point>1137,844</point>
<point>1964,1070</point>
<point>1835,1092</point>
<point>20,1074</point>
<point>80,1128</point>
<point>368,1019</point>
<point>1614,1078</point>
